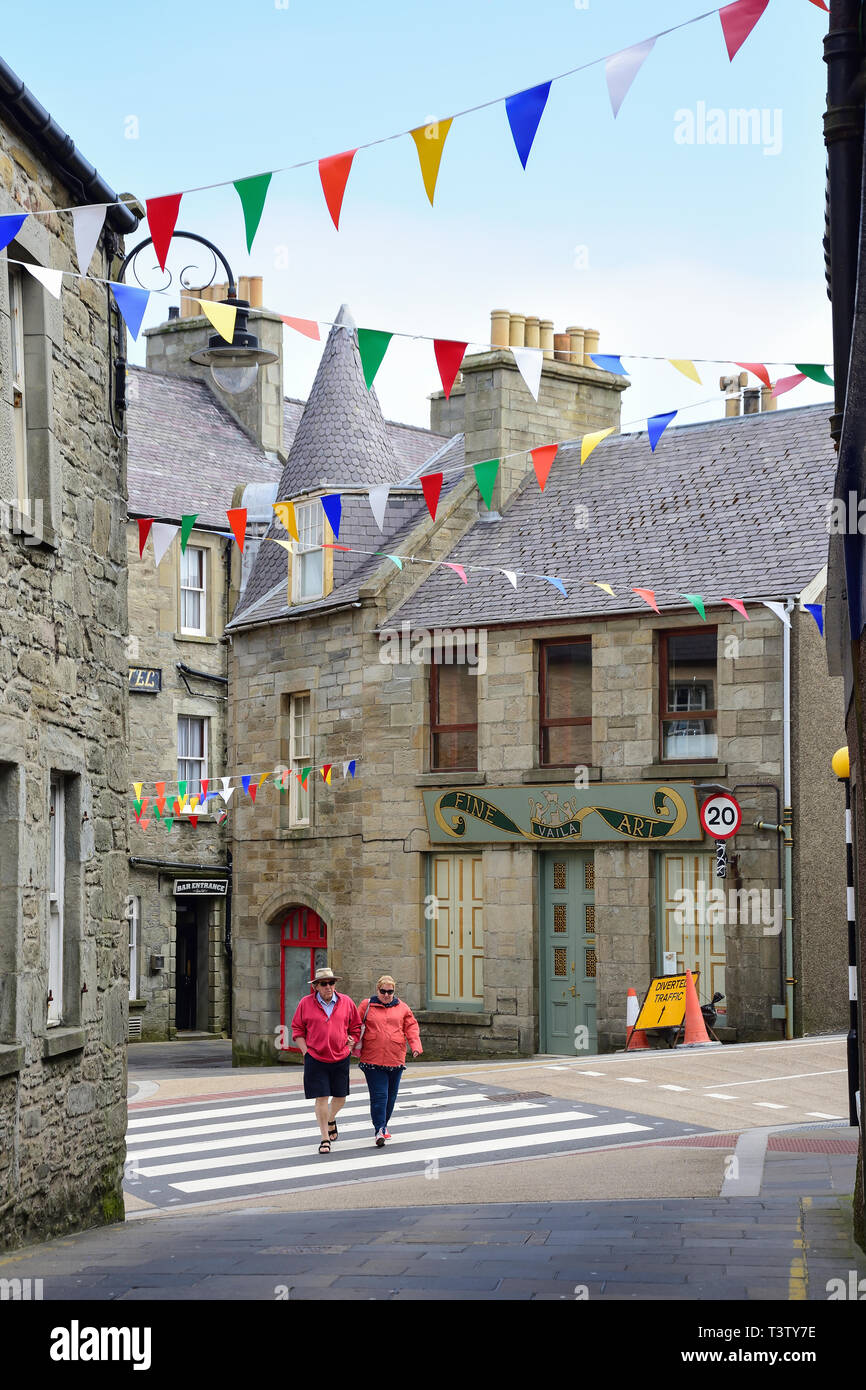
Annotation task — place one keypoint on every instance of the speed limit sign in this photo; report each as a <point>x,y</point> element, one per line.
<point>721,817</point>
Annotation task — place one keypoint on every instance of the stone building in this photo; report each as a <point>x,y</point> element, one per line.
<point>521,843</point>
<point>63,721</point>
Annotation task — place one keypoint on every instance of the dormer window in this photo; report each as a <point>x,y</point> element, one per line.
<point>308,569</point>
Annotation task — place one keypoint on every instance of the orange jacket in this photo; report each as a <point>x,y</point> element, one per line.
<point>389,1028</point>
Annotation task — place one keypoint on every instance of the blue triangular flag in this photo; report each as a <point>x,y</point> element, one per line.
<point>333,511</point>
<point>817,611</point>
<point>656,426</point>
<point>608,363</point>
<point>10,227</point>
<point>246,781</point>
<point>352,768</point>
<point>525,110</point>
<point>557,584</point>
<point>132,303</point>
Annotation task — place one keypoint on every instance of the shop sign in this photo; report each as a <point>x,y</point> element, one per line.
<point>633,811</point>
<point>200,887</point>
<point>145,680</point>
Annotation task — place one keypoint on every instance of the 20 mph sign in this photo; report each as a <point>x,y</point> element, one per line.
<point>721,817</point>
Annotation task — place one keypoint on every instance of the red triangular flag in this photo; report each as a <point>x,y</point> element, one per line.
<point>308,327</point>
<point>252,791</point>
<point>334,172</point>
<point>449,355</point>
<point>542,462</point>
<point>177,806</point>
<point>739,605</point>
<point>193,820</point>
<point>758,369</point>
<point>738,21</point>
<point>238,522</point>
<point>161,219</point>
<point>648,596</point>
<point>204,785</point>
<point>432,486</point>
<point>143,533</point>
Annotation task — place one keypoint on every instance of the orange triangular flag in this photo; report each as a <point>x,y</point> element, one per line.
<point>430,142</point>
<point>334,173</point>
<point>308,327</point>
<point>648,596</point>
<point>757,369</point>
<point>238,522</point>
<point>542,462</point>
<point>286,512</point>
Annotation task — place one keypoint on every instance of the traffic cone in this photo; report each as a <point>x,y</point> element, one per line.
<point>634,1040</point>
<point>696,1029</point>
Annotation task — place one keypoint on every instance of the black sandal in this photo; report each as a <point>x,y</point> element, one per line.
<point>325,1146</point>
<point>332,1129</point>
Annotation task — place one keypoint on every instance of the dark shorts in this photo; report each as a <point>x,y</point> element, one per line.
<point>325,1078</point>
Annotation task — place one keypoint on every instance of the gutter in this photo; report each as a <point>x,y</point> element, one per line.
<point>136,863</point>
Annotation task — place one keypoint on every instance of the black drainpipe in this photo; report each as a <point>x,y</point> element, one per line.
<point>229,944</point>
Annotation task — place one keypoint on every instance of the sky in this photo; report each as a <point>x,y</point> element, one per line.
<point>668,245</point>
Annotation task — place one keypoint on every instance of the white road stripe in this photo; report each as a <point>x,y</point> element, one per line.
<point>768,1105</point>
<point>764,1080</point>
<point>143,1121</point>
<point>719,1095</point>
<point>383,1159</point>
<point>673,1088</point>
<point>232,1161</point>
<point>820,1115</point>
<point>635,1080</point>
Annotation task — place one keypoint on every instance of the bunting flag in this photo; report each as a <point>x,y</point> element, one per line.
<point>738,21</point>
<point>333,508</point>
<point>608,362</point>
<point>303,775</point>
<point>168,822</point>
<point>326,773</point>
<point>163,535</point>
<point>136,787</point>
<point>787,383</point>
<point>511,576</point>
<point>607,589</point>
<point>238,522</point>
<point>817,611</point>
<point>162,219</point>
<point>524,111</point>
<point>557,583</point>
<point>226,792</point>
<point>458,569</point>
<point>397,561</point>
<point>334,174</point>
<point>10,226</point>
<point>181,787</point>
<point>160,795</point>
<point>431,486</point>
<point>529,362</point>
<point>430,142</point>
<point>485,477</point>
<point>378,499</point>
<point>648,596</point>
<point>222,316</point>
<point>51,279</point>
<point>144,526</point>
<point>697,602</point>
<point>591,441</point>
<point>815,372</point>
<point>309,327</point>
<point>372,345</point>
<point>204,786</point>
<point>87,224</point>
<point>220,815</point>
<point>252,193</point>
<point>247,780</point>
<point>352,767</point>
<point>739,606</point>
<point>132,303</point>
<point>757,369</point>
<point>622,69</point>
<point>542,461</point>
<point>656,426</point>
<point>780,611</point>
<point>448,356</point>
<point>186,525</point>
<point>286,514</point>
<point>687,368</point>
<point>262,778</point>
<point>821,5</point>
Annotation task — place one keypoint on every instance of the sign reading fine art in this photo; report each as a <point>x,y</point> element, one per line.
<point>622,811</point>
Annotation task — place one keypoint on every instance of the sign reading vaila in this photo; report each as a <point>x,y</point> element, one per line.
<point>624,811</point>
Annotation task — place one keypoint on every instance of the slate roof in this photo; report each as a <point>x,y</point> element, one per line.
<point>730,508</point>
<point>413,445</point>
<point>186,453</point>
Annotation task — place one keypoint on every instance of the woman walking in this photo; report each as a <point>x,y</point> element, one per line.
<point>388,1028</point>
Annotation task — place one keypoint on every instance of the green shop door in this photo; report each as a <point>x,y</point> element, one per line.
<point>567,938</point>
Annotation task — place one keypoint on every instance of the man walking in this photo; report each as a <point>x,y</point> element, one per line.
<point>326,1027</point>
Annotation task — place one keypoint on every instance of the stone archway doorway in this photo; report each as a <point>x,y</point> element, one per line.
<point>303,950</point>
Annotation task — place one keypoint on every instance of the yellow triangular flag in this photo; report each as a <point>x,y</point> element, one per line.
<point>430,141</point>
<point>263,777</point>
<point>137,786</point>
<point>687,368</point>
<point>222,316</point>
<point>606,587</point>
<point>589,442</point>
<point>286,513</point>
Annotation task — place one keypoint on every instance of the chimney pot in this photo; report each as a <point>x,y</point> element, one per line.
<point>255,294</point>
<point>575,342</point>
<point>517,330</point>
<point>590,344</point>
<point>562,347</point>
<point>499,328</point>
<point>752,400</point>
<point>768,400</point>
<point>545,330</point>
<point>531,336</point>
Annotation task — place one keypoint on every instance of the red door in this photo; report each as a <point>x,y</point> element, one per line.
<point>303,950</point>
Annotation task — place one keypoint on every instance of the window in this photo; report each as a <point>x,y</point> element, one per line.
<point>193,591</point>
<point>56,892</point>
<point>687,663</point>
<point>300,756</point>
<point>133,916</point>
<point>455,910</point>
<point>191,752</point>
<point>308,568</point>
<point>565,703</point>
<point>453,717</point>
<point>19,403</point>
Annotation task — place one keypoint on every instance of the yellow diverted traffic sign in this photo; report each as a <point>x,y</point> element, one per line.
<point>664,1005</point>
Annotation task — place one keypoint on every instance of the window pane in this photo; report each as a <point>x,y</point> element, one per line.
<point>567,744</point>
<point>457,693</point>
<point>568,685</point>
<point>311,574</point>
<point>457,750</point>
<point>691,672</point>
<point>190,611</point>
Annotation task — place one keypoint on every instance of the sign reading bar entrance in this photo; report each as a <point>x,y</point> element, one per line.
<point>201,887</point>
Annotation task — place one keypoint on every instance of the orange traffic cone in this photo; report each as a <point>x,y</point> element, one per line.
<point>696,1029</point>
<point>633,1039</point>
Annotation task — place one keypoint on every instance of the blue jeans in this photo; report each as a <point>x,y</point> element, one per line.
<point>383,1086</point>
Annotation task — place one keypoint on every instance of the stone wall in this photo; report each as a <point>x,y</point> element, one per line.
<point>63,711</point>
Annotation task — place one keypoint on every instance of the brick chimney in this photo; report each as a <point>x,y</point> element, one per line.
<point>169,348</point>
<point>491,404</point>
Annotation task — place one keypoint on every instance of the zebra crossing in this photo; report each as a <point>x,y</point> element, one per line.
<point>232,1147</point>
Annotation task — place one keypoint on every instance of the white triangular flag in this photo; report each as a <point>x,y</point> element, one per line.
<point>87,223</point>
<point>51,279</point>
<point>511,576</point>
<point>622,68</point>
<point>529,362</point>
<point>226,790</point>
<point>780,611</point>
<point>345,769</point>
<point>378,502</point>
<point>163,535</point>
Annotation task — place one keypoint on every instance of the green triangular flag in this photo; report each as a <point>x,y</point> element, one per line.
<point>698,603</point>
<point>252,193</point>
<point>186,525</point>
<point>156,811</point>
<point>485,477</point>
<point>305,772</point>
<point>168,822</point>
<point>815,371</point>
<point>397,561</point>
<point>138,805</point>
<point>372,345</point>
<point>181,787</point>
